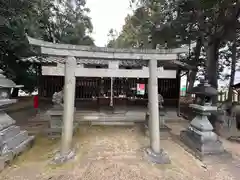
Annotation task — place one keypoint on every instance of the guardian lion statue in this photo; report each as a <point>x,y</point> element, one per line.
<point>57,99</point>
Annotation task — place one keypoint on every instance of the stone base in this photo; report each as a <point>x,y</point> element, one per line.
<point>62,158</point>
<point>164,128</point>
<point>199,149</point>
<point>20,147</point>
<point>161,158</point>
<point>164,131</point>
<point>56,132</point>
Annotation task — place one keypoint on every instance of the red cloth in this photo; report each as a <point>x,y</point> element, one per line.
<point>35,102</point>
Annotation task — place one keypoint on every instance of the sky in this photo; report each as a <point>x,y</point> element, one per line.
<point>107,14</point>
<point>110,14</point>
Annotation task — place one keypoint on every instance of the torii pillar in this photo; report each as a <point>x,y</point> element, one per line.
<point>154,153</point>
<point>66,151</point>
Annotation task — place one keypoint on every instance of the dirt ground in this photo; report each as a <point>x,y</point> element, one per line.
<point>111,153</point>
<point>117,153</point>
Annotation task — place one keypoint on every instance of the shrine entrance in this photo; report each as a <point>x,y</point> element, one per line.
<point>75,62</point>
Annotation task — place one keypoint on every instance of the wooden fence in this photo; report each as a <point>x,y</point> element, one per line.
<point>222,96</point>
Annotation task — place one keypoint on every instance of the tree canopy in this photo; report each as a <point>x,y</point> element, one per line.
<point>63,21</point>
<point>210,28</point>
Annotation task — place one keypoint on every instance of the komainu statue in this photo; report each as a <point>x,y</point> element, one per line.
<point>160,101</point>
<point>57,99</point>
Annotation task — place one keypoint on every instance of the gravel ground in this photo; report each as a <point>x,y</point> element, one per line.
<point>111,153</point>
<point>114,153</point>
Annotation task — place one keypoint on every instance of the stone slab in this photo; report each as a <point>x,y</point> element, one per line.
<point>23,146</point>
<point>112,123</point>
<point>6,158</point>
<point>8,133</point>
<point>14,141</point>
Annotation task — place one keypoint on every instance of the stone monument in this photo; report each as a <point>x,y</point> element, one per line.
<point>13,141</point>
<point>199,136</point>
<point>55,115</point>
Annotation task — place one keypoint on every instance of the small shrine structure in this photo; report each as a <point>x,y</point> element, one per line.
<point>71,61</point>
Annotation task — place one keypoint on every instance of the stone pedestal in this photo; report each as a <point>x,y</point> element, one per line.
<point>55,116</point>
<point>199,136</point>
<point>164,129</point>
<point>13,141</point>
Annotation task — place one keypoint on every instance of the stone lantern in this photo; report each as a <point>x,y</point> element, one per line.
<point>13,141</point>
<point>199,136</point>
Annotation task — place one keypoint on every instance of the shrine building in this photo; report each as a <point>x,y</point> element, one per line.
<point>103,82</point>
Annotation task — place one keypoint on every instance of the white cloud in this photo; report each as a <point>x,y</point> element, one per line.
<point>107,14</point>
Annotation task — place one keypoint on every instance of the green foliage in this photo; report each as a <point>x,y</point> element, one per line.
<point>63,21</point>
<point>181,22</point>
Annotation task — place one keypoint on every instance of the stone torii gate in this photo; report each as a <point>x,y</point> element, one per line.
<point>113,56</point>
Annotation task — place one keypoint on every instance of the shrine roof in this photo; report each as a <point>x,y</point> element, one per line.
<point>47,52</point>
<point>130,63</point>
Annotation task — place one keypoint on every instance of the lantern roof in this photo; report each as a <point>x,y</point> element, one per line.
<point>204,88</point>
<point>5,82</point>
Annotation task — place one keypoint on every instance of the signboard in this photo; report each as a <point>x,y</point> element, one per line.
<point>140,89</point>
<point>183,89</point>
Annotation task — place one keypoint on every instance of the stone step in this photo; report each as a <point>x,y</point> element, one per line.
<point>13,142</point>
<point>8,133</point>
<point>9,156</point>
<point>23,146</point>
<point>109,118</point>
<point>112,123</point>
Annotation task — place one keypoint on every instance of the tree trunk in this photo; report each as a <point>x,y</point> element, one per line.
<point>187,81</point>
<point>193,73</point>
<point>15,93</point>
<point>233,69</point>
<point>212,49</point>
<point>192,78</point>
<point>212,64</point>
